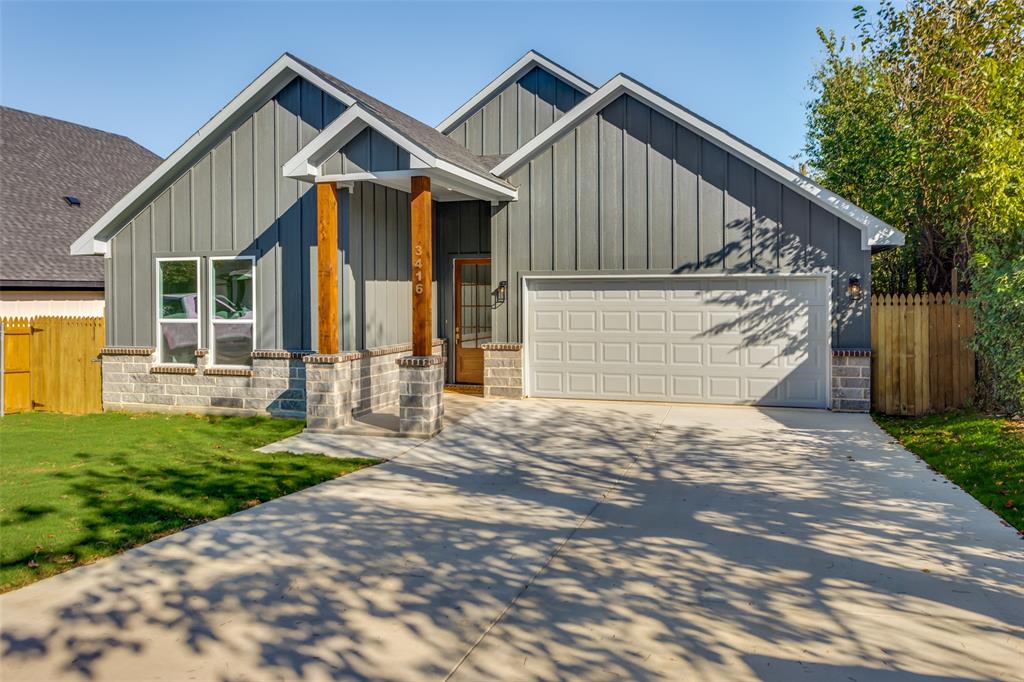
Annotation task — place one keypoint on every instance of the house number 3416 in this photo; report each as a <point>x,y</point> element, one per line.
<point>418,267</point>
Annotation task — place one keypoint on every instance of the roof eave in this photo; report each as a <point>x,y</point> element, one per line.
<point>265,86</point>
<point>874,231</point>
<point>307,162</point>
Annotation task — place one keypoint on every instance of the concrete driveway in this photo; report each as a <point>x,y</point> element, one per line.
<point>549,539</point>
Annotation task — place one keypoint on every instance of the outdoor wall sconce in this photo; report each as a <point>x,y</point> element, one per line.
<point>500,293</point>
<point>853,288</point>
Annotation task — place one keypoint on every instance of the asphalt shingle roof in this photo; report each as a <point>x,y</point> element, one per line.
<point>441,146</point>
<point>42,160</point>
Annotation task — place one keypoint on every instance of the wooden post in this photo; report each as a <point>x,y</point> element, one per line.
<point>327,267</point>
<point>422,265</point>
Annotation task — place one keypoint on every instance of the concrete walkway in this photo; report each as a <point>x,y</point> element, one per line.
<point>549,539</point>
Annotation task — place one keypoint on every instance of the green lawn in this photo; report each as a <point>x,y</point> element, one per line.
<point>983,455</point>
<point>74,489</point>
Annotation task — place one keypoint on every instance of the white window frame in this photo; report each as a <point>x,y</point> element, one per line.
<point>159,308</point>
<point>213,307</point>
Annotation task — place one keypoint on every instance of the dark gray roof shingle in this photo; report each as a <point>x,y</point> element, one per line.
<point>43,159</point>
<point>426,136</point>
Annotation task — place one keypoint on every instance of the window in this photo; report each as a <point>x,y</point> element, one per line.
<point>178,309</point>
<point>231,310</point>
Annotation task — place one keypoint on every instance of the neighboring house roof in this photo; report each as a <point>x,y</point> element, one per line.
<point>524,65</point>
<point>874,231</point>
<point>42,160</point>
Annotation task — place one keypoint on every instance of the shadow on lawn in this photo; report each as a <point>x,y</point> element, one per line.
<point>121,499</point>
<point>716,546</point>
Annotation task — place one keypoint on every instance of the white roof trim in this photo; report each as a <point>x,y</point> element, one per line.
<point>510,75</point>
<point>279,74</point>
<point>874,231</point>
<point>305,165</point>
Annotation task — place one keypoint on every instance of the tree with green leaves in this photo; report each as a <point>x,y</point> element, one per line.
<point>919,119</point>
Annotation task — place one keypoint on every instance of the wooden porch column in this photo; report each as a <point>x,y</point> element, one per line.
<point>327,267</point>
<point>422,265</point>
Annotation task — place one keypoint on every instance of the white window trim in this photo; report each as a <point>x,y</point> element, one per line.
<point>159,307</point>
<point>212,318</point>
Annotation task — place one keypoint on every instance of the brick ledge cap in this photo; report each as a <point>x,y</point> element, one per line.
<point>501,346</point>
<point>420,361</point>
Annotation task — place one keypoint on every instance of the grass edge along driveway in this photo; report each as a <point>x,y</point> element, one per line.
<point>982,454</point>
<point>74,489</point>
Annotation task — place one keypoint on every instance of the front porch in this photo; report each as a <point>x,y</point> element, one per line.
<point>448,302</point>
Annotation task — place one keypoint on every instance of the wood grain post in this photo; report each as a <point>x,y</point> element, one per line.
<point>422,264</point>
<point>327,267</point>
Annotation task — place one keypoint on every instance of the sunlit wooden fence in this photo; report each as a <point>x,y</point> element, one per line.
<point>920,358</point>
<point>51,364</point>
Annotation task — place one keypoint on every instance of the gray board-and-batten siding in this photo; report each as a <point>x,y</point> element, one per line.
<point>235,201</point>
<point>626,191</point>
<point>516,114</point>
<point>629,190</point>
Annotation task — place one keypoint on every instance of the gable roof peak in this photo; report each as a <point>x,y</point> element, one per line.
<point>875,232</point>
<point>532,59</point>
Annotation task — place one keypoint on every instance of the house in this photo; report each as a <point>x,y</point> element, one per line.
<point>56,179</point>
<point>312,251</point>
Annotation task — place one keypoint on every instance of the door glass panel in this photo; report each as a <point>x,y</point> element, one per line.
<point>475,304</point>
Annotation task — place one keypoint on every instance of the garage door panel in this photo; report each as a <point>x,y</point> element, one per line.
<point>615,351</point>
<point>718,340</point>
<point>582,351</point>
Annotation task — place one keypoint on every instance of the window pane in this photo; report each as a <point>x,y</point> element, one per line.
<point>232,344</point>
<point>179,290</point>
<point>178,342</point>
<point>232,289</point>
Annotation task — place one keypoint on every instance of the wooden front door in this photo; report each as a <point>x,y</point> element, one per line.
<point>472,317</point>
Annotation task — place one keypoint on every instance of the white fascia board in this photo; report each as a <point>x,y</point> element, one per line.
<point>305,165</point>
<point>266,85</point>
<point>445,174</point>
<point>508,76</point>
<point>874,231</point>
<point>492,188</point>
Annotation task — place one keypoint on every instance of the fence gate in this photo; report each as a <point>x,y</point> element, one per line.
<point>52,364</point>
<point>920,360</point>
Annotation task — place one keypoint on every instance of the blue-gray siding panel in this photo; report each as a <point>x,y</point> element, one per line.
<point>516,114</point>
<point>650,195</point>
<point>233,200</point>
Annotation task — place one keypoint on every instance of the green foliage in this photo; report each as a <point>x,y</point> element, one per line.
<point>984,455</point>
<point>75,489</point>
<point>998,303</point>
<point>920,120</point>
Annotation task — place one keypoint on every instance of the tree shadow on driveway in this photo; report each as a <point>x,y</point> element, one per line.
<point>739,543</point>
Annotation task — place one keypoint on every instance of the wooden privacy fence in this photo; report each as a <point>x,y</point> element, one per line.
<point>920,360</point>
<point>51,364</point>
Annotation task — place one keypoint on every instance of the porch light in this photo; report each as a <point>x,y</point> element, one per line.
<point>500,293</point>
<point>853,288</point>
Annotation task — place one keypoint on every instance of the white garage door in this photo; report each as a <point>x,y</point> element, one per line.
<point>727,339</point>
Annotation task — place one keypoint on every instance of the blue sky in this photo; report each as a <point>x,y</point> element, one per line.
<point>157,71</point>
